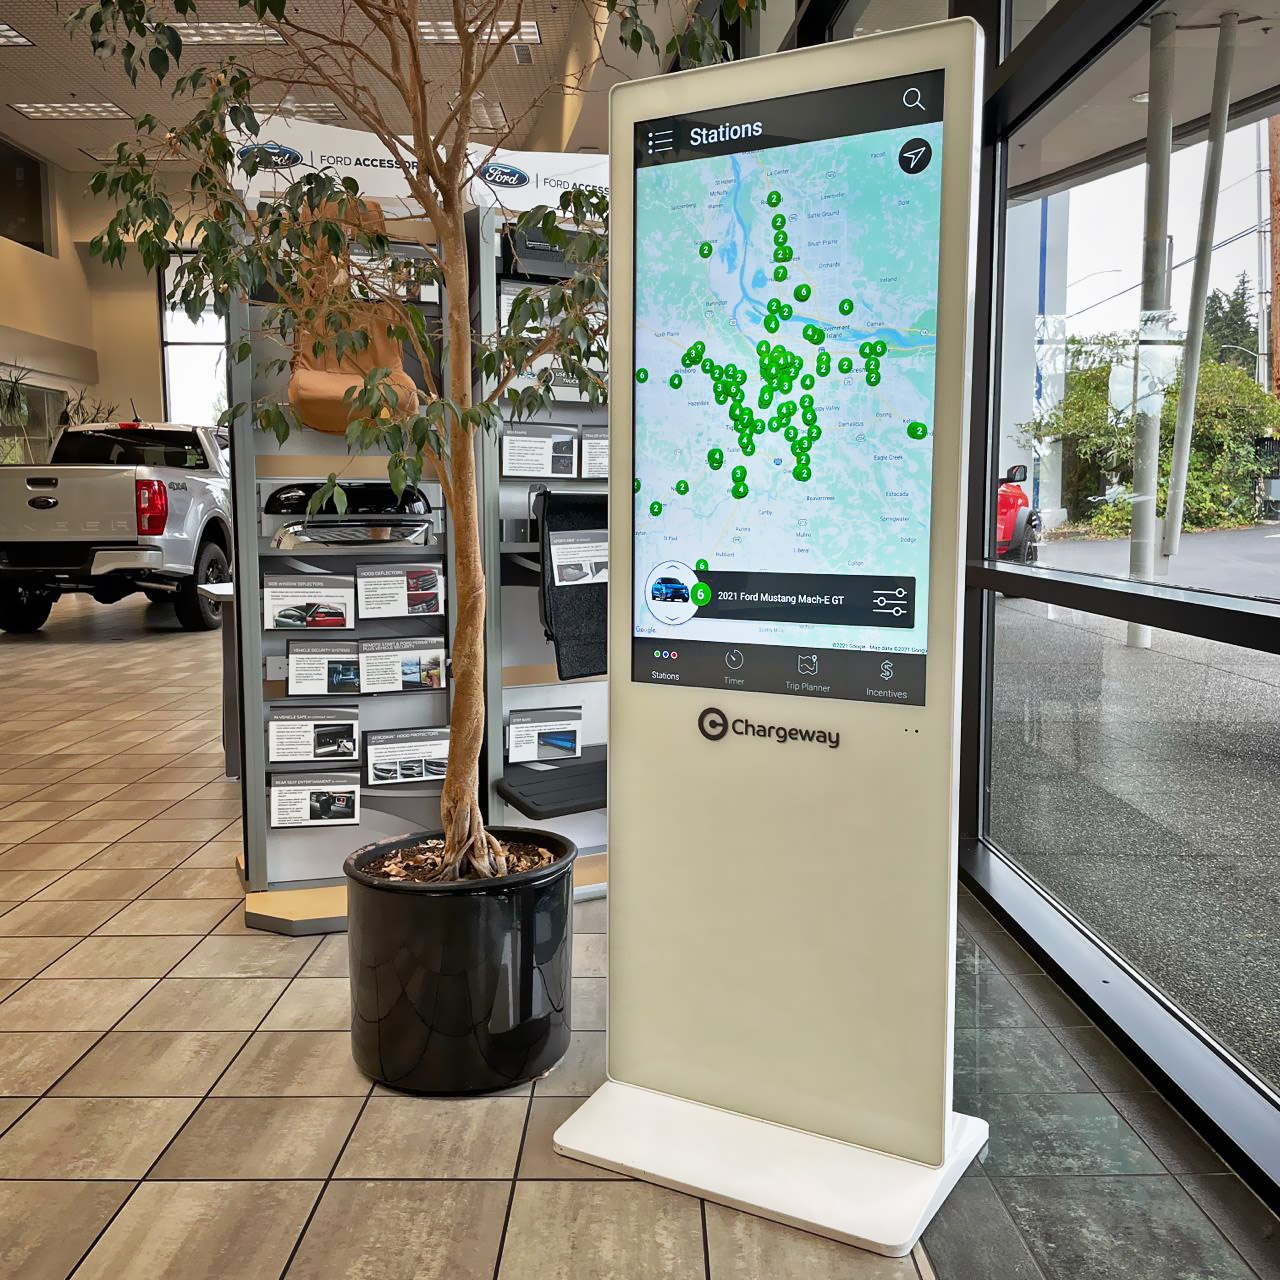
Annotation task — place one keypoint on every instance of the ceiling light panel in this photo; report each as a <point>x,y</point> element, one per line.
<point>9,36</point>
<point>319,112</point>
<point>444,32</point>
<point>70,110</point>
<point>226,33</point>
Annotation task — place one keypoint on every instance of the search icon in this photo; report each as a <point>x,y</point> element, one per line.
<point>912,98</point>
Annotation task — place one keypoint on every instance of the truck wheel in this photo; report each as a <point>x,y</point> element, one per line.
<point>24,609</point>
<point>194,611</point>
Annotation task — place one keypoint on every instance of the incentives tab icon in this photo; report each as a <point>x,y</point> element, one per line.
<point>661,140</point>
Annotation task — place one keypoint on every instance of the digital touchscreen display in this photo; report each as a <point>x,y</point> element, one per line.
<point>786,313</point>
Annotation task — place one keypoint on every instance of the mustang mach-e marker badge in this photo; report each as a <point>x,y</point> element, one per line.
<point>497,174</point>
<point>271,155</point>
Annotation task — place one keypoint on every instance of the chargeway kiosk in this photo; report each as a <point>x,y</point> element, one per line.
<point>791,300</point>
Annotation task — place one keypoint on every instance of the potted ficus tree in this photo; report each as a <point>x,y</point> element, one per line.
<point>459,938</point>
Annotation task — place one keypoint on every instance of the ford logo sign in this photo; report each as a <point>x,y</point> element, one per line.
<point>503,175</point>
<point>42,504</point>
<point>271,155</point>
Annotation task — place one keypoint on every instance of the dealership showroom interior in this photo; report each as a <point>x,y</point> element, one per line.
<point>641,640</point>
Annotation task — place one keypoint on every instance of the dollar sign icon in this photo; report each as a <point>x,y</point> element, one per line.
<point>886,670</point>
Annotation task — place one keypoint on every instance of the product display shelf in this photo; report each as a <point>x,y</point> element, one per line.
<point>523,678</point>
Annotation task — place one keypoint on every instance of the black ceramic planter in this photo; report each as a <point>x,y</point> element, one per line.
<point>462,987</point>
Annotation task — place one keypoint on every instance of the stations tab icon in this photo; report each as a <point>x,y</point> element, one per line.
<point>660,140</point>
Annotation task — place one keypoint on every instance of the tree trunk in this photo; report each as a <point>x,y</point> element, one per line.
<point>469,849</point>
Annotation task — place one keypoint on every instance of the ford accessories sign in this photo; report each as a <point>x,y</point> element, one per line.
<point>271,155</point>
<point>505,176</point>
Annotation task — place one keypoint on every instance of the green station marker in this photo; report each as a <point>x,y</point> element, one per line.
<point>701,566</point>
<point>740,490</point>
<point>846,365</point>
<point>803,293</point>
<point>676,381</point>
<point>701,594</point>
<point>773,199</point>
<point>705,250</point>
<point>917,430</point>
<point>715,459</point>
<point>655,508</point>
<point>779,273</point>
<point>642,375</point>
<point>779,221</point>
<point>682,487</point>
<point>846,306</point>
<point>637,484</point>
<point>739,474</point>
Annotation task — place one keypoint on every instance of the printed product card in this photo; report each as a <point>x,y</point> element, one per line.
<point>319,668</point>
<point>317,733</point>
<point>403,664</point>
<point>294,603</point>
<point>595,453</point>
<point>539,451</point>
<point>315,800</point>
<point>406,755</point>
<point>579,557</point>
<point>551,733</point>
<point>400,591</point>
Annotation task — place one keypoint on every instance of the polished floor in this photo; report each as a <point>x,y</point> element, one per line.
<point>177,1098</point>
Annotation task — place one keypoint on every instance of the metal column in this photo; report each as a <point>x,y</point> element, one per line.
<point>1200,285</point>
<point>1153,322</point>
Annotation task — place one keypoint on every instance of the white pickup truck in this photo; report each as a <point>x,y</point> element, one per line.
<point>119,507</point>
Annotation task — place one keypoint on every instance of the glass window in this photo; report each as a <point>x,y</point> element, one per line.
<point>1139,787</point>
<point>131,447</point>
<point>866,17</point>
<point>195,361</point>
<point>1087,375</point>
<point>1023,16</point>
<point>24,214</point>
<point>29,418</point>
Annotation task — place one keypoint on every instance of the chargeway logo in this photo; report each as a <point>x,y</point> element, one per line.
<point>713,724</point>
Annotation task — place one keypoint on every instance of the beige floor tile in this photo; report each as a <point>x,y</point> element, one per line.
<point>217,853</point>
<point>15,832</point>
<point>171,791</point>
<point>119,775</point>
<point>581,1070</point>
<point>115,809</point>
<point>293,1064</point>
<point>590,955</point>
<point>56,918</point>
<point>743,1247</point>
<point>179,829</point>
<point>8,986</point>
<point>435,1138</point>
<point>227,789</point>
<point>46,1227</point>
<point>312,1004</point>
<point>405,1231</point>
<point>203,1231</point>
<point>539,1158</point>
<point>234,924</point>
<point>16,886</point>
<point>590,999</point>
<point>605,1230</point>
<point>48,857</point>
<point>10,1110</point>
<point>204,1004</point>
<point>331,959</point>
<point>262,956</point>
<point>79,829</point>
<point>184,809</point>
<point>84,885</point>
<point>197,882</point>
<point>185,773</point>
<point>50,810</point>
<point>591,916</point>
<point>106,956</point>
<point>261,1138</point>
<point>134,854</point>
<point>91,1137</point>
<point>71,1004</point>
<point>25,957</point>
<point>12,791</point>
<point>31,1061</point>
<point>167,916</point>
<point>78,789</point>
<point>152,1064</point>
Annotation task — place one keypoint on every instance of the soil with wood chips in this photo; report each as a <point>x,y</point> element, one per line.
<point>420,863</point>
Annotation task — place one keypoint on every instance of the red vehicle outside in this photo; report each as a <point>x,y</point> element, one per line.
<point>1017,522</point>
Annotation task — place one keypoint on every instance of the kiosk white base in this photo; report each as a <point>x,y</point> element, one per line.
<point>860,1197</point>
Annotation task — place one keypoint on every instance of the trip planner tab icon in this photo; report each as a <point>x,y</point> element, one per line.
<point>661,140</point>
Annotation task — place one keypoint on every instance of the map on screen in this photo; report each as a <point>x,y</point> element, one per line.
<point>785,331</point>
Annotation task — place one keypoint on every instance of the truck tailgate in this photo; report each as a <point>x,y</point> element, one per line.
<point>47,504</point>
